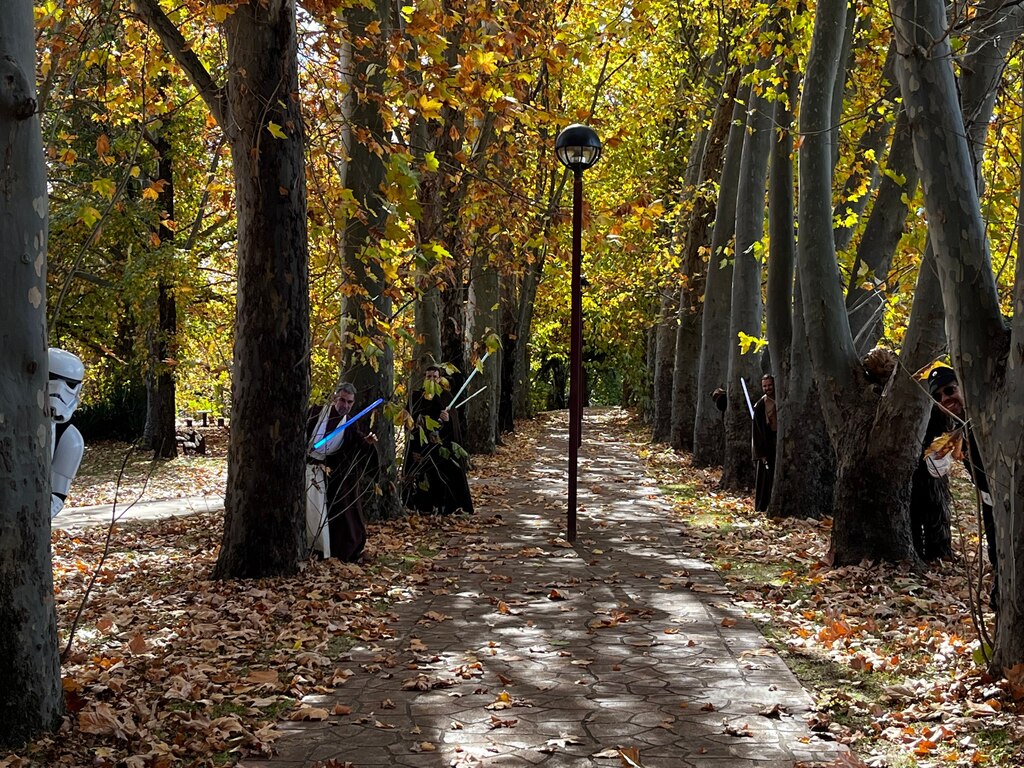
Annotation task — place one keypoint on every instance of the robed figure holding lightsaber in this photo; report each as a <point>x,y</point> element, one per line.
<point>349,457</point>
<point>434,478</point>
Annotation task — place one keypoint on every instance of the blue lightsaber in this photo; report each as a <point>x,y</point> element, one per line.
<point>349,423</point>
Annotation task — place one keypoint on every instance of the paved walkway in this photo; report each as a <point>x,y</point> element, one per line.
<point>101,514</point>
<point>525,651</point>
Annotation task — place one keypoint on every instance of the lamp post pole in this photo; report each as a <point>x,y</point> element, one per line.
<point>577,148</point>
<point>575,350</point>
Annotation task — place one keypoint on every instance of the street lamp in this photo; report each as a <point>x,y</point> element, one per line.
<point>577,148</point>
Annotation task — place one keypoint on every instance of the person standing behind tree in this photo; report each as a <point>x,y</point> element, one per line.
<point>762,442</point>
<point>945,390</point>
<point>434,473</point>
<point>930,499</point>
<point>350,457</point>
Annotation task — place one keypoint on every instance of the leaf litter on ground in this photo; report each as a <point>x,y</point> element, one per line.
<point>890,655</point>
<point>169,668</point>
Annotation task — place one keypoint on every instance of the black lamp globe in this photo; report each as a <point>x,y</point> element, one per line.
<point>578,147</point>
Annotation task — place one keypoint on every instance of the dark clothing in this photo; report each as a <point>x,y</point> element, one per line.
<point>434,473</point>
<point>762,442</point>
<point>350,473</point>
<point>972,462</point>
<point>931,503</point>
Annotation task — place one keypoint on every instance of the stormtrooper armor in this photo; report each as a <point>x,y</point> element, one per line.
<point>64,390</point>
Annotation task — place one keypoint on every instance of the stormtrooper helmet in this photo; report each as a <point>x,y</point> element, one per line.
<point>65,385</point>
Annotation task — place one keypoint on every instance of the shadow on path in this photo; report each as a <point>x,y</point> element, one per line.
<point>525,651</point>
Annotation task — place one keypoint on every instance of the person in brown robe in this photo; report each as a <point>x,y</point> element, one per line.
<point>350,458</point>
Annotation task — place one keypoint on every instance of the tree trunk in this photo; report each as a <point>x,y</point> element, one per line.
<point>708,431</point>
<point>864,174</point>
<point>368,310</point>
<point>804,480</point>
<point>31,700</point>
<point>691,305</point>
<point>882,234</point>
<point>263,521</point>
<point>985,354</point>
<point>664,360</point>
<point>482,411</point>
<point>163,349</point>
<point>737,467</point>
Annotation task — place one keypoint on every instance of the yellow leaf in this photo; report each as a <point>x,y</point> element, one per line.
<point>428,107</point>
<point>220,11</point>
<point>275,130</point>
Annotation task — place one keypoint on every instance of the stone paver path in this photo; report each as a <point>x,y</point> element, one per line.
<point>529,652</point>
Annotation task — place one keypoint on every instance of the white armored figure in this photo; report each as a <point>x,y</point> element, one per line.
<point>64,390</point>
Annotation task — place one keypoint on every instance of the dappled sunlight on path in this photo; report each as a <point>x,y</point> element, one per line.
<point>524,650</point>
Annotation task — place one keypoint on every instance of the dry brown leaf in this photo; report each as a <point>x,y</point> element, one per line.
<point>309,713</point>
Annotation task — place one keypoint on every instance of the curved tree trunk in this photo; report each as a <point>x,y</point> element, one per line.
<point>708,430</point>
<point>984,352</point>
<point>871,518</point>
<point>882,234</point>
<point>31,700</point>
<point>737,467</point>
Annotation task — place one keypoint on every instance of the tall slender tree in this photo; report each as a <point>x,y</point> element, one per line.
<point>31,700</point>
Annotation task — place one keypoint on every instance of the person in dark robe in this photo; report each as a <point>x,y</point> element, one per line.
<point>930,500</point>
<point>762,443</point>
<point>350,459</point>
<point>434,478</point>
<point>719,397</point>
<point>945,390</point>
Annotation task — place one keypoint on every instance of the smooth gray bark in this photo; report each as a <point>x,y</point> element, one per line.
<point>985,353</point>
<point>805,462</point>
<point>708,430</point>
<point>746,309</point>
<point>882,233</point>
<point>696,238</point>
<point>31,699</point>
<point>873,465</point>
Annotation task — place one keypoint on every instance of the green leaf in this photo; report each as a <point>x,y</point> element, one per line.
<point>430,161</point>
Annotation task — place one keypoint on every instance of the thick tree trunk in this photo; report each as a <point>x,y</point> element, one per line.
<point>708,430</point>
<point>691,295</point>
<point>31,700</point>
<point>482,411</point>
<point>872,487</point>
<point>984,353</point>
<point>737,467</point>
<point>372,371</point>
<point>805,461</point>
<point>263,522</point>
